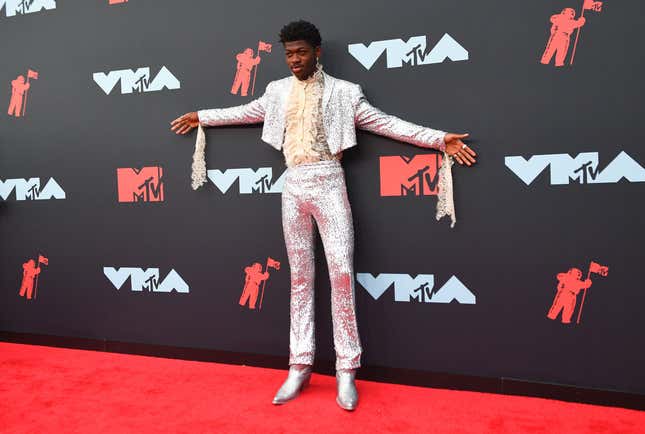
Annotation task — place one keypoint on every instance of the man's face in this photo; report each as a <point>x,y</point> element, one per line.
<point>301,58</point>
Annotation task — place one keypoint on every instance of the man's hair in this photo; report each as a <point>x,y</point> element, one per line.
<point>301,30</point>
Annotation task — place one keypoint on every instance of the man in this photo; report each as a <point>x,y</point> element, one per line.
<point>311,116</point>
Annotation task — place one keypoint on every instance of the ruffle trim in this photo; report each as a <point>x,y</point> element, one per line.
<point>445,199</point>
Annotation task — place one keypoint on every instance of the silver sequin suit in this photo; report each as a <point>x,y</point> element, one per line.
<point>315,193</point>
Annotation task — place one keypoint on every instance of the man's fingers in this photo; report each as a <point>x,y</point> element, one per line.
<point>467,156</point>
<point>186,129</point>
<point>177,120</point>
<point>458,158</point>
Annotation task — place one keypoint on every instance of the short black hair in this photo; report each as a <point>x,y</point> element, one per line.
<point>301,30</point>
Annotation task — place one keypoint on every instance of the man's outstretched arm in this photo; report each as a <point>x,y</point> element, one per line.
<point>250,113</point>
<point>370,118</point>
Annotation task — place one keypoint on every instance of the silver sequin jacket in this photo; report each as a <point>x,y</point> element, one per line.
<point>344,108</point>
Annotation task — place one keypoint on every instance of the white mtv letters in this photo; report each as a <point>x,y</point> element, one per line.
<point>146,280</point>
<point>412,52</point>
<point>30,189</point>
<point>13,7</point>
<point>136,81</point>
<point>583,168</point>
<point>250,181</point>
<point>407,288</point>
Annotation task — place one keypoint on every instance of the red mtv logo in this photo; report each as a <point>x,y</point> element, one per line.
<point>114,2</point>
<point>404,176</point>
<point>140,185</point>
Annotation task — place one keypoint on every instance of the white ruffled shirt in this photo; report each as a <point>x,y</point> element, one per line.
<point>304,140</point>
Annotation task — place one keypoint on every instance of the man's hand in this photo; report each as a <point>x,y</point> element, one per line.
<point>185,123</point>
<point>458,149</point>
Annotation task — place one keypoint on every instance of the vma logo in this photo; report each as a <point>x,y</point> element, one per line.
<point>405,176</point>
<point>250,181</point>
<point>421,288</point>
<point>413,52</point>
<point>146,280</point>
<point>140,185</point>
<point>136,81</point>
<point>30,189</point>
<point>583,168</point>
<point>21,7</point>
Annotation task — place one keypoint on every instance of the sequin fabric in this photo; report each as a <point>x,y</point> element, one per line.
<point>315,195</point>
<point>344,108</point>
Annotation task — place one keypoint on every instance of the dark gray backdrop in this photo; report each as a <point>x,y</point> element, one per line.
<point>509,243</point>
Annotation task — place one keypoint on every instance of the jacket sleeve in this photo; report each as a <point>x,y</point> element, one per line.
<point>250,113</point>
<point>369,118</point>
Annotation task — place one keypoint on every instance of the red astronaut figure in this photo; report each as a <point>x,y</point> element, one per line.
<point>254,277</point>
<point>563,24</point>
<point>18,89</point>
<point>29,272</point>
<point>245,63</point>
<point>565,299</point>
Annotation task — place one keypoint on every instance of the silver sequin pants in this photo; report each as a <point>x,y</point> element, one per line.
<point>316,193</point>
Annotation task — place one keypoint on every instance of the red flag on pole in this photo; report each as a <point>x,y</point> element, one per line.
<point>273,263</point>
<point>592,5</point>
<point>43,260</point>
<point>595,267</point>
<point>264,46</point>
<point>32,74</point>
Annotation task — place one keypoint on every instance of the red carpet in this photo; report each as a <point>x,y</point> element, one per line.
<point>53,390</point>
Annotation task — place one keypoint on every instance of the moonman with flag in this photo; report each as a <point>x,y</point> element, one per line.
<point>246,61</point>
<point>569,286</point>
<point>30,272</point>
<point>254,276</point>
<point>562,25</point>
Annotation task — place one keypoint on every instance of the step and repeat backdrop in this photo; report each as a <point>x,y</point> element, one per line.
<point>541,279</point>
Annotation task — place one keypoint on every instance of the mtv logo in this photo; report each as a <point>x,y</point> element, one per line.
<point>13,7</point>
<point>404,176</point>
<point>146,280</point>
<point>114,2</point>
<point>140,185</point>
<point>583,168</point>
<point>136,81</point>
<point>419,288</point>
<point>250,181</point>
<point>30,189</point>
<point>413,52</point>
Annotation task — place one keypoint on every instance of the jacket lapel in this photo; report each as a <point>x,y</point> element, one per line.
<point>327,90</point>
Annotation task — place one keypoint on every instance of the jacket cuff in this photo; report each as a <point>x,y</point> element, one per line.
<point>200,117</point>
<point>442,142</point>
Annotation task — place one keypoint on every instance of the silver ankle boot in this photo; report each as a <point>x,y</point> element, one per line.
<point>347,394</point>
<point>298,379</point>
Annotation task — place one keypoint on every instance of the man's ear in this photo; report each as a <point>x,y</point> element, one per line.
<point>317,51</point>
